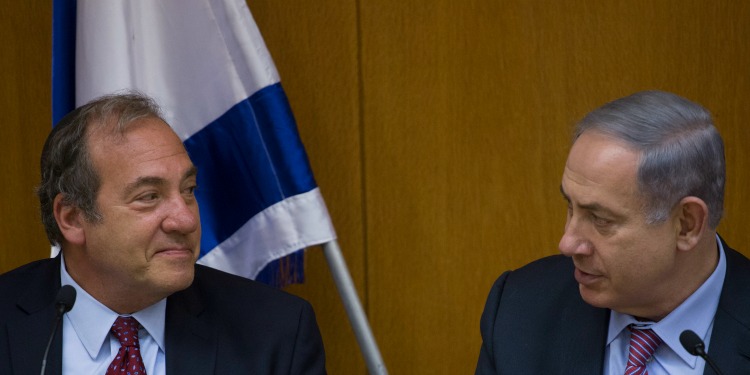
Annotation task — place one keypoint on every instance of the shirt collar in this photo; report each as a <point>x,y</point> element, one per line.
<point>152,319</point>
<point>92,321</point>
<point>696,313</point>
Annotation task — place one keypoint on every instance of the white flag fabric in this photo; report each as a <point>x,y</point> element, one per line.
<point>205,63</point>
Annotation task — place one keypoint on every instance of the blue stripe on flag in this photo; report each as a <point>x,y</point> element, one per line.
<point>248,159</point>
<point>63,58</point>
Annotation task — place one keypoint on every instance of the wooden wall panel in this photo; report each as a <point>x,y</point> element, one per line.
<point>438,131</point>
<point>25,34</point>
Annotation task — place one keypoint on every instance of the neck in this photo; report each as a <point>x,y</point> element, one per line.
<point>115,296</point>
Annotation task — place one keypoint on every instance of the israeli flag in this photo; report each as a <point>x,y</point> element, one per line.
<point>205,63</point>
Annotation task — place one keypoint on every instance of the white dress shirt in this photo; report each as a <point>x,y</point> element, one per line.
<point>88,347</point>
<point>696,313</point>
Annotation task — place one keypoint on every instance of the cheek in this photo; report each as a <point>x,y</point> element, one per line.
<point>638,260</point>
<point>130,240</point>
<point>622,256</point>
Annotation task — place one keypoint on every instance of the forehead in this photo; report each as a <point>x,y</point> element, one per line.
<point>601,170</point>
<point>145,145</point>
<point>111,128</point>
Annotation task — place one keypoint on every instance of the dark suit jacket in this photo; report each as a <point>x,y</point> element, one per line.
<point>535,322</point>
<point>221,324</point>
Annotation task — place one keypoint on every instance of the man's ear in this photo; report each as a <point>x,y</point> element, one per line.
<point>70,221</point>
<point>693,222</point>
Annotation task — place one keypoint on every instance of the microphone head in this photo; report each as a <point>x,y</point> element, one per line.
<point>65,299</point>
<point>691,342</point>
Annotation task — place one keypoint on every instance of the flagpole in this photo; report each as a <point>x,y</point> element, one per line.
<point>353,307</point>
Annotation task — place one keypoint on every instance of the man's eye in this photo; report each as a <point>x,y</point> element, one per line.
<point>599,221</point>
<point>148,197</point>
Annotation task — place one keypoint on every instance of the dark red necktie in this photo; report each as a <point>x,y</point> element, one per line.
<point>643,344</point>
<point>128,360</point>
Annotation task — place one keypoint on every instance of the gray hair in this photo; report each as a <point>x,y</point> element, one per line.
<point>66,165</point>
<point>682,153</point>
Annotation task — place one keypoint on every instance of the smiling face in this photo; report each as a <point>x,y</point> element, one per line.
<point>147,242</point>
<point>622,263</point>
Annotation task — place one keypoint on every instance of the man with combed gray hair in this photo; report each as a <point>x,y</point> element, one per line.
<point>641,260</point>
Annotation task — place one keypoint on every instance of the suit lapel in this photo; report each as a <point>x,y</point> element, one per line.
<point>583,340</point>
<point>28,335</point>
<point>581,331</point>
<point>190,337</point>
<point>28,339</point>
<point>730,338</point>
<point>730,345</point>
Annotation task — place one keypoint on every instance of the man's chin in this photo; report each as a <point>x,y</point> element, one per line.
<point>593,297</point>
<point>173,279</point>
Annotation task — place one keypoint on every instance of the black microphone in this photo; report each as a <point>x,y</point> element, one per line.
<point>64,301</point>
<point>695,346</point>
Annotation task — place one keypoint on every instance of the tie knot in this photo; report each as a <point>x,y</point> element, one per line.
<point>646,339</point>
<point>125,328</point>
<point>643,344</point>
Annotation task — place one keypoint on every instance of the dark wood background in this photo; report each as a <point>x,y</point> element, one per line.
<point>438,131</point>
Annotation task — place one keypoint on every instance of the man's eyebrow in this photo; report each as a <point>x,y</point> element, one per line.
<point>143,181</point>
<point>155,181</point>
<point>595,207</point>
<point>562,191</point>
<point>192,172</point>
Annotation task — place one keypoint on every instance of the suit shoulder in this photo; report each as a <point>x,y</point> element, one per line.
<point>35,283</point>
<point>26,273</point>
<point>241,305</point>
<point>736,286</point>
<point>552,262</point>
<point>256,328</point>
<point>528,317</point>
<point>27,269</point>
<point>551,269</point>
<point>737,259</point>
<point>547,281</point>
<point>220,285</point>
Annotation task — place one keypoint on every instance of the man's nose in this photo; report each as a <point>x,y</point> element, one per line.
<point>573,241</point>
<point>183,216</point>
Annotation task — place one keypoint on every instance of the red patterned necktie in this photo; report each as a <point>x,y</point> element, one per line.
<point>643,343</point>
<point>128,360</point>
